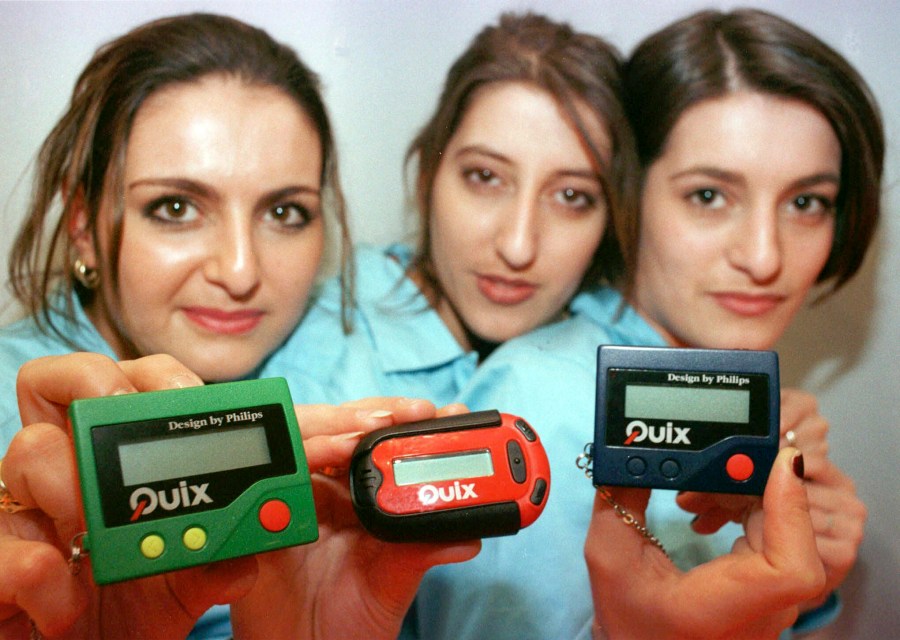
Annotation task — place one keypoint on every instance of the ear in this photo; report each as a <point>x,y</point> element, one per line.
<point>79,230</point>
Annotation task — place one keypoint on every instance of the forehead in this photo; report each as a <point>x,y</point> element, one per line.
<point>755,130</point>
<point>520,115</point>
<point>221,124</point>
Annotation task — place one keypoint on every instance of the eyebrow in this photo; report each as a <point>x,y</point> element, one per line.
<point>736,178</point>
<point>201,190</point>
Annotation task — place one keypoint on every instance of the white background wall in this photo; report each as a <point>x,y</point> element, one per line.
<point>383,62</point>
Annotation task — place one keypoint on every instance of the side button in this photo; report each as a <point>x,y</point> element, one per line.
<point>540,490</point>
<point>526,430</point>
<point>516,461</point>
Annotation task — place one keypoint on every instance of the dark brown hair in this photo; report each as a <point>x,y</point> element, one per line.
<point>83,157</point>
<point>710,54</point>
<point>578,70</point>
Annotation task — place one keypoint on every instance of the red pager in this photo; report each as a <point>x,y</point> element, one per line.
<point>461,477</point>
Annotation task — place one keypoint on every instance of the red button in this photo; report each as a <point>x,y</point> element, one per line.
<point>739,467</point>
<point>274,516</point>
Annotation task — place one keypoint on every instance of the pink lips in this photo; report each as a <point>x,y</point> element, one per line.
<point>505,291</point>
<point>748,305</point>
<point>224,322</point>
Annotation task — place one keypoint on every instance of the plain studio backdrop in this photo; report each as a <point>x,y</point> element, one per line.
<point>382,63</point>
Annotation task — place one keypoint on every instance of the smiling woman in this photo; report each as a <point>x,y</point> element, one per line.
<point>185,193</point>
<point>754,227</point>
<point>222,227</point>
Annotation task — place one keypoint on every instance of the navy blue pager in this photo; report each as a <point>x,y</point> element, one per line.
<point>686,419</point>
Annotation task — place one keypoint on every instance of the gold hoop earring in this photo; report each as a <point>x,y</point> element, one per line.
<point>87,276</point>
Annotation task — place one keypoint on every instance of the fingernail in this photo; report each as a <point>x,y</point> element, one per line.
<point>355,435</point>
<point>798,465</point>
<point>376,418</point>
<point>183,381</point>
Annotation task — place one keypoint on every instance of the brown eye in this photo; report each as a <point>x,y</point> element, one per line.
<point>481,176</point>
<point>291,215</point>
<point>707,198</point>
<point>575,198</point>
<point>171,210</point>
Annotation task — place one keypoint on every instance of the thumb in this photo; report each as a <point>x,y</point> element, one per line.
<point>405,564</point>
<point>789,542</point>
<point>224,582</point>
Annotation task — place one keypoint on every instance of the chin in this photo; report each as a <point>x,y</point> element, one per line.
<point>213,371</point>
<point>741,341</point>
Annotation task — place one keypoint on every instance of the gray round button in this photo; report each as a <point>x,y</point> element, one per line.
<point>669,468</point>
<point>636,466</point>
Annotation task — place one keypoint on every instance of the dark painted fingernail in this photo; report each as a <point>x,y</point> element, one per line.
<point>798,465</point>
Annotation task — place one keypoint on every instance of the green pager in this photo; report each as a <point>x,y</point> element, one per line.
<point>183,477</point>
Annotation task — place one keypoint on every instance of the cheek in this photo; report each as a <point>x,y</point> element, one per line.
<point>807,257</point>
<point>152,265</point>
<point>453,237</point>
<point>293,279</point>
<point>573,254</point>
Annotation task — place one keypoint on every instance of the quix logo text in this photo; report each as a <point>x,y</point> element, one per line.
<point>639,431</point>
<point>430,494</point>
<point>144,500</point>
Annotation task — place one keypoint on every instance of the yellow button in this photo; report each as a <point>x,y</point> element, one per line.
<point>152,546</point>
<point>194,538</point>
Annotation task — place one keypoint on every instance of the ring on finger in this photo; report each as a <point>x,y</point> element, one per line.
<point>8,504</point>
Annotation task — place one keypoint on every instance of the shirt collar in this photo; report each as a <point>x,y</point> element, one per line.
<point>624,324</point>
<point>408,334</point>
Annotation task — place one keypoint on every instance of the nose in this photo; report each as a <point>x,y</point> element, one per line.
<point>516,237</point>
<point>756,246</point>
<point>233,260</point>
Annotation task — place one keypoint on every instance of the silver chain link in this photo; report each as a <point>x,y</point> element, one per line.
<point>583,462</point>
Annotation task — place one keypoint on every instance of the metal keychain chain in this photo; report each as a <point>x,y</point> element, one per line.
<point>585,462</point>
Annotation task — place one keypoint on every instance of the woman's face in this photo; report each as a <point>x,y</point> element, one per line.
<point>737,221</point>
<point>222,231</point>
<point>517,213</point>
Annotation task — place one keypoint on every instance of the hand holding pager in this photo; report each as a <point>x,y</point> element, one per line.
<point>686,419</point>
<point>347,584</point>
<point>751,593</point>
<point>39,469</point>
<point>462,477</point>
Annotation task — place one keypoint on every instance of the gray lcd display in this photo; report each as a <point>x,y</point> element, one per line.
<point>454,466</point>
<point>697,404</point>
<point>166,458</point>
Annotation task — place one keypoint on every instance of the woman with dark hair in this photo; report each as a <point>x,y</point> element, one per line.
<point>133,246</point>
<point>521,188</point>
<point>179,209</point>
<point>761,151</point>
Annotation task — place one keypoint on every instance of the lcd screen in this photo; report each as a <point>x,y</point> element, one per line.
<point>700,404</point>
<point>158,459</point>
<point>472,464</point>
